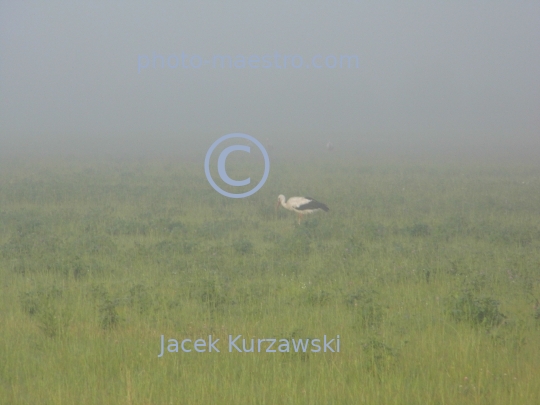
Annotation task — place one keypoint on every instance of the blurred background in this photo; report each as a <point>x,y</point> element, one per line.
<point>433,78</point>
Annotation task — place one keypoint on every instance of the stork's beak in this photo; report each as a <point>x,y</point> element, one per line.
<point>277,206</point>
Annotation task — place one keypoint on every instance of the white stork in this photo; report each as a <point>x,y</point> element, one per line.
<point>301,205</point>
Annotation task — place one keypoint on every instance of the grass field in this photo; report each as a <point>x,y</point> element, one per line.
<point>430,275</point>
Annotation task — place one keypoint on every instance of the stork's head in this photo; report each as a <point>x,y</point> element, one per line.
<point>280,200</point>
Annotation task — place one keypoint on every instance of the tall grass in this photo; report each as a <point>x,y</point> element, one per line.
<point>429,273</point>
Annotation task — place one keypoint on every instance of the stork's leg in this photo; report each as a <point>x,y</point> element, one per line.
<point>299,218</point>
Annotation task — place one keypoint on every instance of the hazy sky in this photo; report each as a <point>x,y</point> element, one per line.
<point>80,76</point>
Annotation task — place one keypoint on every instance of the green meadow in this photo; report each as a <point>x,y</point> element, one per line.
<point>429,273</point>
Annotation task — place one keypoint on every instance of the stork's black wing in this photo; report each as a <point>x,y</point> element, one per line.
<point>313,205</point>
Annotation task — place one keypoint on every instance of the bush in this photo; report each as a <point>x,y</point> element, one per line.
<point>43,305</point>
<point>476,310</point>
<point>109,315</point>
<point>418,229</point>
<point>243,246</point>
<point>365,302</point>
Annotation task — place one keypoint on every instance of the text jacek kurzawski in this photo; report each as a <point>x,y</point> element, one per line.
<point>238,344</point>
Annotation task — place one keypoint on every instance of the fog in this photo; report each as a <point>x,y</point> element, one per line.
<point>371,77</point>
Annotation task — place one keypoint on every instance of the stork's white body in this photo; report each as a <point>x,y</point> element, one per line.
<point>301,205</point>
